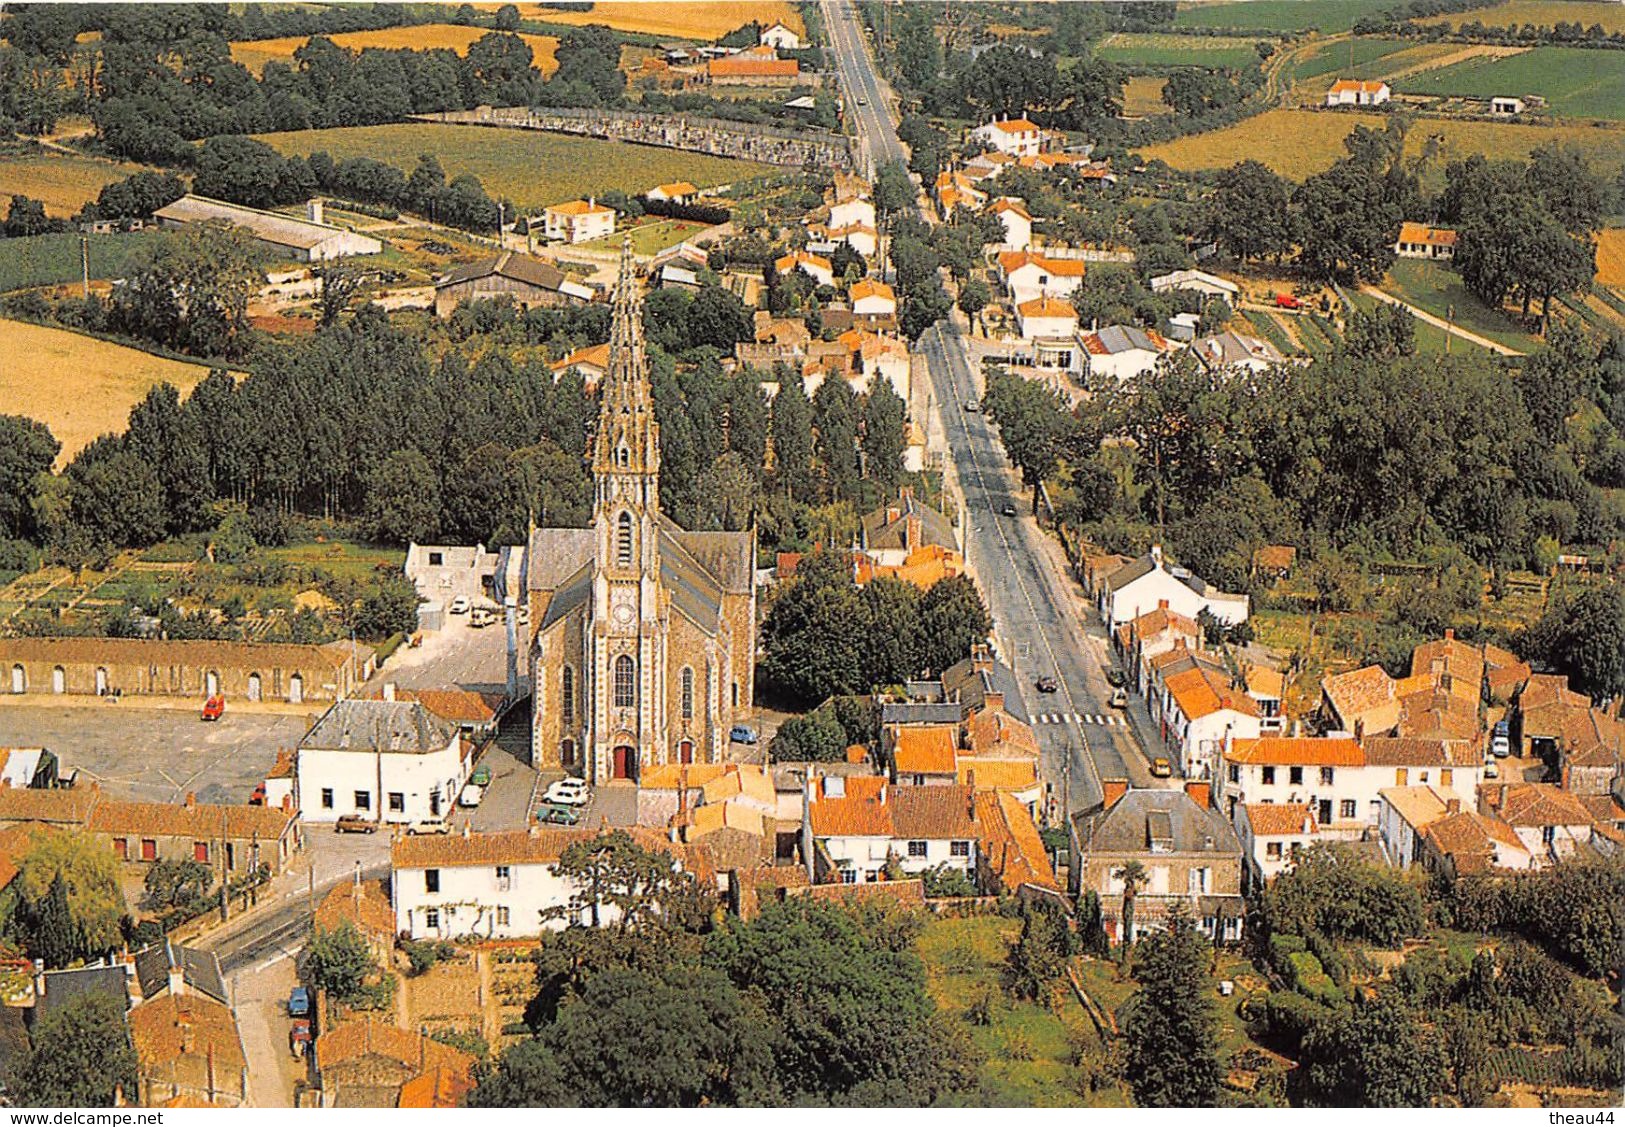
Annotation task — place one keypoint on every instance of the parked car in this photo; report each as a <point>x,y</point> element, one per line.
<point>1501,739</point>
<point>472,794</point>
<point>214,708</point>
<point>1047,685</point>
<point>1287,301</point>
<point>568,792</point>
<point>1007,509</point>
<point>258,797</point>
<point>354,824</point>
<point>1492,770</point>
<point>459,605</point>
<point>481,776</point>
<point>971,406</point>
<point>1119,698</point>
<point>429,827</point>
<point>299,1037</point>
<point>299,1002</point>
<point>742,734</point>
<point>1115,678</point>
<point>1161,768</point>
<point>552,814</point>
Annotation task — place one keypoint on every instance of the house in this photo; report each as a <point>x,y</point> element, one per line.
<point>1418,240</point>
<point>444,572</point>
<point>986,165</point>
<point>852,211</point>
<point>1012,859</point>
<point>1272,836</point>
<point>1013,136</point>
<point>873,300</point>
<point>1591,753</point>
<point>1186,850</point>
<point>365,1063</point>
<point>239,839</point>
<point>390,761</point>
<point>174,668</point>
<point>1121,352</point>
<point>1469,842</point>
<point>680,191</point>
<point>363,905</point>
<point>815,265</point>
<point>955,191</point>
<point>854,827</point>
<point>1506,107</point>
<point>1148,583</point>
<point>25,767</point>
<point>474,714</point>
<point>922,754</point>
<point>1353,92</point>
<point>1505,674</point>
<point>1550,823</point>
<point>527,282</point>
<point>1275,561</point>
<point>577,221</point>
<point>1267,688</point>
<point>1046,318</point>
<point>187,1046</point>
<point>1198,713</point>
<point>1017,223</point>
<point>1198,281</point>
<point>861,237</point>
<point>1231,350</point>
<point>1404,813</point>
<point>592,362</point>
<point>305,240</point>
<point>1028,275</point>
<point>737,70</point>
<point>1155,632</point>
<point>1545,708</point>
<point>780,38</point>
<point>502,885</point>
<point>888,535</point>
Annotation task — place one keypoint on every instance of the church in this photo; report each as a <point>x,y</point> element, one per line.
<point>644,635</point>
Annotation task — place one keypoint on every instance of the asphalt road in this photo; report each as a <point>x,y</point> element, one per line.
<point>1036,619</point>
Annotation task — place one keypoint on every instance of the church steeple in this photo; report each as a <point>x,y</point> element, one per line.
<point>627,450</point>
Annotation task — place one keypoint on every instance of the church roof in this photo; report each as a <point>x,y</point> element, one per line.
<point>555,554</point>
<point>572,593</point>
<point>727,556</point>
<point>694,591</point>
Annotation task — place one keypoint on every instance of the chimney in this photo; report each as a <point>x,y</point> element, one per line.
<point>1359,731</point>
<point>177,973</point>
<point>892,513</point>
<point>389,690</point>
<point>1450,633</point>
<point>1111,790</point>
<point>314,212</point>
<point>287,804</point>
<point>191,799</point>
<point>1162,604</point>
<point>1156,554</point>
<point>883,794</point>
<point>1200,790</point>
<point>993,702</point>
<point>535,828</point>
<point>467,827</point>
<point>970,778</point>
<point>970,801</point>
<point>1452,806</point>
<point>39,978</point>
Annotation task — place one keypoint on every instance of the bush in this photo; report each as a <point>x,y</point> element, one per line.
<point>423,954</point>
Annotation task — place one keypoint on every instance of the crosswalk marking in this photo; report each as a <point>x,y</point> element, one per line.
<point>1095,718</point>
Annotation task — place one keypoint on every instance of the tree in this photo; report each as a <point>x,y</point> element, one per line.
<point>1333,891</point>
<point>835,423</point>
<point>728,495</point>
<point>1249,213</point>
<point>810,647</point>
<point>339,961</point>
<point>973,297</point>
<point>403,499</point>
<point>634,888</point>
<point>69,897</point>
<point>1133,875</point>
<point>26,217</point>
<point>885,418</point>
<point>81,1057</point>
<point>27,449</point>
<point>1375,1053</point>
<point>1038,959</point>
<point>1585,639</point>
<point>716,319</point>
<point>172,442</point>
<point>816,737</point>
<point>176,884</point>
<point>243,171</point>
<point>953,619</point>
<point>892,623</point>
<point>1170,1027</point>
<point>340,282</point>
<point>192,292</point>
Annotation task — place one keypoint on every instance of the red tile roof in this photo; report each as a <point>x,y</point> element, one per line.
<point>1287,819</point>
<point>1290,751</point>
<point>925,749</point>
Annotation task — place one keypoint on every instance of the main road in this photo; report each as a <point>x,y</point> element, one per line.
<point>1038,612</point>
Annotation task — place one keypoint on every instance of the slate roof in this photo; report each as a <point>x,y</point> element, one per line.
<point>383,725</point>
<point>199,969</point>
<point>970,680</point>
<point>1114,339</point>
<point>63,987</point>
<point>881,530</point>
<point>1129,572</point>
<point>508,264</point>
<point>1127,825</point>
<point>161,652</point>
<point>555,554</point>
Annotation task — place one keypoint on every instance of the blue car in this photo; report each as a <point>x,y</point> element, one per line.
<point>298,1002</point>
<point>742,734</point>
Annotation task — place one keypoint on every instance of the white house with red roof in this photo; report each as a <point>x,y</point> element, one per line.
<point>1028,274</point>
<point>1017,223</point>
<point>1046,318</point>
<point>577,221</point>
<point>852,827</point>
<point>1354,92</point>
<point>1123,351</point>
<point>1272,836</point>
<point>1016,136</point>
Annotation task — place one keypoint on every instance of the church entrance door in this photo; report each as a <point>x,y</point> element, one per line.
<point>625,758</point>
<point>685,751</point>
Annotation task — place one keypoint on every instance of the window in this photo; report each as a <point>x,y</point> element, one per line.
<point>1447,777</point>
<point>1348,810</point>
<point>1325,776</point>
<point>503,872</point>
<point>397,802</point>
<point>327,798</point>
<point>437,559</point>
<point>1401,776</point>
<point>1548,834</point>
<point>1272,850</point>
<point>149,849</point>
<point>688,693</point>
<point>623,540</point>
<point>736,694</point>
<point>431,919</point>
<point>567,697</point>
<point>431,880</point>
<point>502,916</point>
<point>1235,773</point>
<point>959,849</point>
<point>626,683</point>
<point>1266,776</point>
<point>121,848</point>
<point>363,800</point>
<point>1294,776</point>
<point>200,851</point>
<point>1422,777</point>
<point>849,876</point>
<point>916,849</point>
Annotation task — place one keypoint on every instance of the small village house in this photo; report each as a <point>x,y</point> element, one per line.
<point>1418,240</point>
<point>577,221</point>
<point>780,37</point>
<point>1354,92</point>
<point>389,760</point>
<point>1014,136</point>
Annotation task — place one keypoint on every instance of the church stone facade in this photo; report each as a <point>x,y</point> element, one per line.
<point>644,634</point>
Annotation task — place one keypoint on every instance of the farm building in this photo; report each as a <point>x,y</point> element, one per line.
<point>737,70</point>
<point>1418,240</point>
<point>780,38</point>
<point>1352,92</point>
<point>154,667</point>
<point>307,240</point>
<point>679,192</point>
<point>577,221</point>
<point>528,281</point>
<point>1197,281</point>
<point>1508,107</point>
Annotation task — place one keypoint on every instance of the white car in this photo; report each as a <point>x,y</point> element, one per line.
<point>471,795</point>
<point>429,827</point>
<point>459,605</point>
<point>568,792</point>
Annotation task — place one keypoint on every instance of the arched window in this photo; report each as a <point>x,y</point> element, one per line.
<point>688,693</point>
<point>626,683</point>
<point>623,540</point>
<point>567,697</point>
<point>623,456</point>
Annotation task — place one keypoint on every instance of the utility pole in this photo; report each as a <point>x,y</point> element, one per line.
<point>1449,326</point>
<point>84,261</point>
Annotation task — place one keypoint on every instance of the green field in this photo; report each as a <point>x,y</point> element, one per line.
<point>1135,49</point>
<point>1437,289</point>
<point>1342,58</point>
<point>532,169</point>
<point>48,260</point>
<point>1329,16</point>
<point>1575,82</point>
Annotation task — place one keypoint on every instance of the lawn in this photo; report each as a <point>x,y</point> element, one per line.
<point>1154,49</point>
<point>694,19</point>
<point>1430,338</point>
<point>1574,81</point>
<point>1299,143</point>
<point>649,236</point>
<point>1541,13</point>
<point>532,168</point>
<point>1328,16</point>
<point>62,183</point>
<point>255,53</point>
<point>1436,288</point>
<point>1342,57</point>
<point>79,386</point>
<point>48,260</point>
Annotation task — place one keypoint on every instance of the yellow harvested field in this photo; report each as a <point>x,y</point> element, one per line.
<point>1611,257</point>
<point>693,19</point>
<point>1299,143</point>
<point>1142,95</point>
<point>255,53</point>
<point>62,183</point>
<point>79,386</point>
<point>1541,13</point>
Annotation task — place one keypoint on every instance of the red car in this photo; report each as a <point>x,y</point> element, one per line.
<point>258,797</point>
<point>1287,301</point>
<point>299,1037</point>
<point>214,707</point>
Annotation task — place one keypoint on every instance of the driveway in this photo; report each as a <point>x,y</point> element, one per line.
<point>456,655</point>
<point>260,997</point>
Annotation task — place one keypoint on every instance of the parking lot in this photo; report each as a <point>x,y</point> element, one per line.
<point>456,655</point>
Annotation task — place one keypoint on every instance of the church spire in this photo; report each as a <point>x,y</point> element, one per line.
<point>628,442</point>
